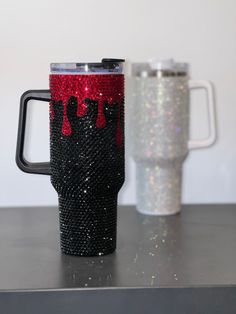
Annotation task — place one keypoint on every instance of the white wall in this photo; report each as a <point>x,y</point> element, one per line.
<point>35,33</point>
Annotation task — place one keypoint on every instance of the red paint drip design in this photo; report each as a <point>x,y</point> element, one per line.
<point>52,113</point>
<point>66,128</point>
<point>101,121</point>
<point>81,109</point>
<point>100,88</point>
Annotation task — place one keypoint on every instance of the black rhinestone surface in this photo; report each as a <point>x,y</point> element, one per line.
<point>87,172</point>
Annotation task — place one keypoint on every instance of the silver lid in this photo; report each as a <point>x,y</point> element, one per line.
<point>106,66</point>
<point>159,68</point>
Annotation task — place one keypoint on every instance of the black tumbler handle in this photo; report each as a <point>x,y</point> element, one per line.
<point>22,163</point>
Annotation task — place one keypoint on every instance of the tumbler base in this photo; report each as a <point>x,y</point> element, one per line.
<point>168,212</point>
<point>88,226</point>
<point>159,188</point>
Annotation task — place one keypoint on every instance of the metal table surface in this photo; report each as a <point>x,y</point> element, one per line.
<point>173,264</point>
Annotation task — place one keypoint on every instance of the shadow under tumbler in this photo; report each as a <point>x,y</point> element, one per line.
<point>86,151</point>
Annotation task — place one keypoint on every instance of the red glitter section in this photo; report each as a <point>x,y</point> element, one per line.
<point>100,88</point>
<point>52,113</point>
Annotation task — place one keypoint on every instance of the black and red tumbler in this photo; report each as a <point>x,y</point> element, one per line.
<point>86,151</point>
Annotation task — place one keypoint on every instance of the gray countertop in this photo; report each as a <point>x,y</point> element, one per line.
<point>191,255</point>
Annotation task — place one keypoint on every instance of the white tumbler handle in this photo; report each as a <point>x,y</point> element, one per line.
<point>201,143</point>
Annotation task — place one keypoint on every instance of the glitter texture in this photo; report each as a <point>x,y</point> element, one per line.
<point>159,120</point>
<point>87,159</point>
<point>98,88</point>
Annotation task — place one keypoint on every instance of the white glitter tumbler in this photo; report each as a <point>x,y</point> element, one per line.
<point>159,132</point>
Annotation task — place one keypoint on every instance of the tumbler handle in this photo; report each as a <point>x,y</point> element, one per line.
<point>22,163</point>
<point>201,143</point>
